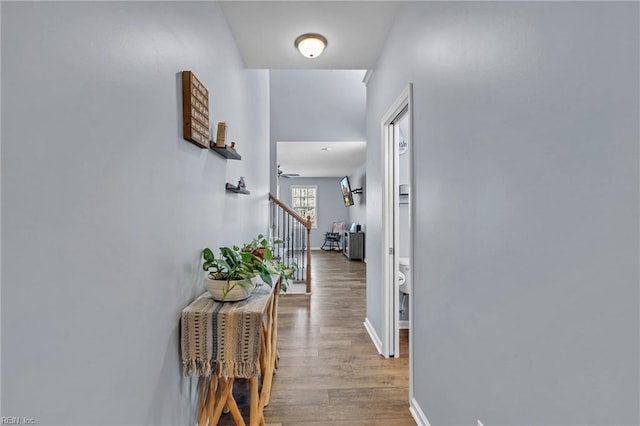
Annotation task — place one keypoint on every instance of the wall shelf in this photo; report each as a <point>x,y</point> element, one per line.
<point>226,152</point>
<point>232,188</point>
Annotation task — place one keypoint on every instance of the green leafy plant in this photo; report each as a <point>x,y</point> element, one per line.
<point>235,266</point>
<point>286,273</point>
<point>238,266</point>
<point>261,248</point>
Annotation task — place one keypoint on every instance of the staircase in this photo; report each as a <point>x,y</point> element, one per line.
<point>295,233</point>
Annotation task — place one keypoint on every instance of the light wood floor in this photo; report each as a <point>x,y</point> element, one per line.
<point>329,372</point>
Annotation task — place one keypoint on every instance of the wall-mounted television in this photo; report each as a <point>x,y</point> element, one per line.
<point>347,196</point>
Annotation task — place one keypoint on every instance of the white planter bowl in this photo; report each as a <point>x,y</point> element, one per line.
<point>230,291</point>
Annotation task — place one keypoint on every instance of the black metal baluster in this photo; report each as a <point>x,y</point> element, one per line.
<point>284,236</point>
<point>300,251</point>
<point>289,240</point>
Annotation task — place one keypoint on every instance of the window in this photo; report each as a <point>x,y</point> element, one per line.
<point>304,202</point>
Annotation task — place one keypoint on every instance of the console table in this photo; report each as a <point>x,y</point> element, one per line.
<point>224,340</point>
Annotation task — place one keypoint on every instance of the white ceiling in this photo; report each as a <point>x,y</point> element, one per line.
<point>309,160</point>
<point>265,32</point>
<point>356,31</point>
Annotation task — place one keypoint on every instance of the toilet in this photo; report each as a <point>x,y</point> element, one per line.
<point>403,281</point>
<point>404,284</point>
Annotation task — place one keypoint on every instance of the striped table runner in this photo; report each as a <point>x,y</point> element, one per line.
<point>223,338</point>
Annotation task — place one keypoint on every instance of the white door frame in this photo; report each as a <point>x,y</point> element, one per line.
<point>390,213</point>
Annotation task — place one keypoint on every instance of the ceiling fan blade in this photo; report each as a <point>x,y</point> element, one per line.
<point>286,175</point>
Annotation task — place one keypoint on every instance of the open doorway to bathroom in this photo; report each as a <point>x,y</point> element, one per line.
<point>404,223</point>
<point>398,217</point>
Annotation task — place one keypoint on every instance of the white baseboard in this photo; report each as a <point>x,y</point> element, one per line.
<point>373,335</point>
<point>418,414</point>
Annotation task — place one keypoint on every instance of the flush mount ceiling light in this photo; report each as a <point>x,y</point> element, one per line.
<point>311,45</point>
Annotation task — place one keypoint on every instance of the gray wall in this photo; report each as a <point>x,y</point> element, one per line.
<point>316,105</point>
<point>105,207</point>
<point>358,212</point>
<point>330,205</point>
<point>526,142</point>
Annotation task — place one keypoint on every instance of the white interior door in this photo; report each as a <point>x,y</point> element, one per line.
<point>391,137</point>
<point>390,202</point>
<point>401,108</point>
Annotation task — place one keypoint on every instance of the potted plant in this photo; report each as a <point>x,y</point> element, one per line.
<point>261,248</point>
<point>284,272</point>
<point>233,274</point>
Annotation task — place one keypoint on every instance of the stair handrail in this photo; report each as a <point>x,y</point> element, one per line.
<point>306,222</point>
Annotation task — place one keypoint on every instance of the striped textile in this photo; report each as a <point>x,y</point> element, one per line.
<point>223,338</point>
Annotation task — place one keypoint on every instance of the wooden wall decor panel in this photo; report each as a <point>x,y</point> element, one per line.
<point>195,110</point>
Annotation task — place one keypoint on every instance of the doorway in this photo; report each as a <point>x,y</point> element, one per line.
<point>398,219</point>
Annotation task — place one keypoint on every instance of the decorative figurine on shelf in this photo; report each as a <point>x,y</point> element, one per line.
<point>241,183</point>
<point>233,146</point>
<point>221,134</point>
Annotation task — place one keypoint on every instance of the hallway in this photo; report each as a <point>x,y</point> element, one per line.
<point>330,372</point>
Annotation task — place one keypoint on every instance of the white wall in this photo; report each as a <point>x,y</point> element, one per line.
<point>331,207</point>
<point>316,105</point>
<point>526,142</point>
<point>105,208</point>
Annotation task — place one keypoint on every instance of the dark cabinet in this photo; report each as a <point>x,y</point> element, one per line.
<point>353,245</point>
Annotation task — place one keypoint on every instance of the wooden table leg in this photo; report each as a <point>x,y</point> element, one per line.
<point>202,416</point>
<point>224,388</point>
<point>254,413</point>
<point>206,402</point>
<point>226,408</point>
<point>266,386</point>
<point>235,411</point>
<point>223,399</point>
<point>272,351</point>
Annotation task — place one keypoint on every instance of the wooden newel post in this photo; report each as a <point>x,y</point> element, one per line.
<point>308,254</point>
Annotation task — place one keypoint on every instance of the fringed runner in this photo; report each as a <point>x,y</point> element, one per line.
<point>223,338</point>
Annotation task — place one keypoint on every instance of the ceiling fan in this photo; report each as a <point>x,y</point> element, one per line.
<point>286,175</point>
